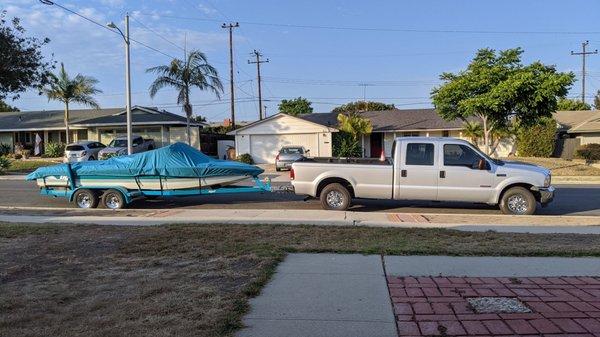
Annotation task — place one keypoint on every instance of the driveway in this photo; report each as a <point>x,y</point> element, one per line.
<point>569,200</point>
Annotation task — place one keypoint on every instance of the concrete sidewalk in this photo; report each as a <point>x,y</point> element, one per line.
<point>466,222</point>
<point>346,294</point>
<point>324,295</point>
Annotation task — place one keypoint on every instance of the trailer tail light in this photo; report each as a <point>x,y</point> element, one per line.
<point>292,174</point>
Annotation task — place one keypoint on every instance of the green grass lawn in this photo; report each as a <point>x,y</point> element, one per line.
<point>561,167</point>
<point>30,165</point>
<point>186,280</point>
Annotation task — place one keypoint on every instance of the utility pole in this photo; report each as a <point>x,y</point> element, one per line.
<point>583,54</point>
<point>231,26</point>
<point>258,62</point>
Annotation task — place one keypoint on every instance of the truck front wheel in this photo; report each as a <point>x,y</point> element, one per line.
<point>335,197</point>
<point>518,201</point>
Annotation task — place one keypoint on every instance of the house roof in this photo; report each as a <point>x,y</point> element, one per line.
<point>591,124</point>
<point>275,116</point>
<point>572,119</point>
<point>394,120</point>
<point>79,118</point>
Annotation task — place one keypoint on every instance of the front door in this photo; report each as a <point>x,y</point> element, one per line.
<point>376,140</point>
<point>418,173</point>
<point>460,177</point>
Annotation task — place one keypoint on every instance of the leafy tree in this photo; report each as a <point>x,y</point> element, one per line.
<point>597,100</point>
<point>567,104</point>
<point>473,131</point>
<point>296,106</point>
<point>352,126</point>
<point>496,87</point>
<point>363,106</point>
<point>537,140</point>
<point>22,65</point>
<point>79,89</point>
<point>183,75</point>
<point>7,108</point>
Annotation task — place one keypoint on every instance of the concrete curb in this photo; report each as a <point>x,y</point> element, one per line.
<point>13,177</point>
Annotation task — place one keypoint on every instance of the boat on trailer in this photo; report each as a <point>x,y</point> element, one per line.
<point>175,170</point>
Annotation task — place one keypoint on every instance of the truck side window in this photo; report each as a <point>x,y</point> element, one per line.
<point>460,155</point>
<point>419,154</point>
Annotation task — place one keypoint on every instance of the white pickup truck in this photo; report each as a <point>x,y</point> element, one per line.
<point>424,168</point>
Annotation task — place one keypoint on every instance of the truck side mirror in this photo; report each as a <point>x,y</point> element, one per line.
<point>482,164</point>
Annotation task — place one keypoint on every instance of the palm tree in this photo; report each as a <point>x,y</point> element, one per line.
<point>183,75</point>
<point>473,131</point>
<point>354,124</point>
<point>71,90</point>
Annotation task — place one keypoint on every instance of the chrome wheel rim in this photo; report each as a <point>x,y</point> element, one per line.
<point>112,201</point>
<point>335,199</point>
<point>84,200</point>
<point>518,204</point>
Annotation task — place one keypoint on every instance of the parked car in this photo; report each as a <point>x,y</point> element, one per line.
<point>82,151</point>
<point>288,155</point>
<point>118,146</point>
<point>423,168</point>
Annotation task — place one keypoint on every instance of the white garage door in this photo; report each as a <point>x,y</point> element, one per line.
<point>264,148</point>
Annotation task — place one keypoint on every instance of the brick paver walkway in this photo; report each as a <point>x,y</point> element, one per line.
<point>437,306</point>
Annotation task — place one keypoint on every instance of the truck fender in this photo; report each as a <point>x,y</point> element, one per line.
<point>495,198</point>
<point>331,174</point>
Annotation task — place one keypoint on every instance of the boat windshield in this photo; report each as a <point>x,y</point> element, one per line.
<point>118,143</point>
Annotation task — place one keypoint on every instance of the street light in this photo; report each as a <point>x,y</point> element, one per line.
<point>127,78</point>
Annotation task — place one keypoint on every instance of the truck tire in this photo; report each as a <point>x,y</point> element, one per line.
<point>85,198</point>
<point>113,199</point>
<point>335,197</point>
<point>518,201</point>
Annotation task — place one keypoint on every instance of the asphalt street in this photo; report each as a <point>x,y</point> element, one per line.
<point>569,200</point>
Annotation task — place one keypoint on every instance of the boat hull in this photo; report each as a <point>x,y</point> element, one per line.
<point>143,183</point>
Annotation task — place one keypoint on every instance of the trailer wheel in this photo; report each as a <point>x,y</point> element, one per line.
<point>113,199</point>
<point>85,198</point>
<point>518,201</point>
<point>335,197</point>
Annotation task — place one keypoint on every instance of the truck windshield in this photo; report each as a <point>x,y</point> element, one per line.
<point>118,143</point>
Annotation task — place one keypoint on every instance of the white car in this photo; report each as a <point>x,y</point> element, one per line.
<point>82,151</point>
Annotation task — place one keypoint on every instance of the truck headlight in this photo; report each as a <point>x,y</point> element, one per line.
<point>548,180</point>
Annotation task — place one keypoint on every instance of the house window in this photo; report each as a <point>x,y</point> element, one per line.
<point>410,134</point>
<point>445,133</point>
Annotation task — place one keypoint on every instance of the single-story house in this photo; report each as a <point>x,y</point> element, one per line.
<point>94,124</point>
<point>583,125</point>
<point>263,139</point>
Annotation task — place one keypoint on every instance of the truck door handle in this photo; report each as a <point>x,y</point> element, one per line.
<point>442,174</point>
<point>403,173</point>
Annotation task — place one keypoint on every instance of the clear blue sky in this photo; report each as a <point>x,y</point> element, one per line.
<point>400,59</point>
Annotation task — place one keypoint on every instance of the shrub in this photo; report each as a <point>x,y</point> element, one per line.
<point>5,149</point>
<point>245,158</point>
<point>344,145</point>
<point>4,164</point>
<point>537,140</point>
<point>589,152</point>
<point>54,150</point>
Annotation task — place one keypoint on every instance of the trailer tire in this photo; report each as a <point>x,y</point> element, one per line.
<point>85,198</point>
<point>518,201</point>
<point>335,197</point>
<point>113,199</point>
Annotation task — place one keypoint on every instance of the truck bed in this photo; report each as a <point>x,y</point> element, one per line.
<point>333,160</point>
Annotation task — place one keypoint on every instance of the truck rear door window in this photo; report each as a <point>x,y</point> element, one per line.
<point>419,154</point>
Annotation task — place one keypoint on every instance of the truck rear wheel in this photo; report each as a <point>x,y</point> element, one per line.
<point>518,201</point>
<point>113,199</point>
<point>85,198</point>
<point>335,197</point>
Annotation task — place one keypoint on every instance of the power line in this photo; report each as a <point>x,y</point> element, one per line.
<point>157,34</point>
<point>109,29</point>
<point>382,29</point>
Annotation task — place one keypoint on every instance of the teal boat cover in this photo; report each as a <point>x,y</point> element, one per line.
<point>176,160</point>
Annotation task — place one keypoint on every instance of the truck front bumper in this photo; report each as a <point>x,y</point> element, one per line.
<point>546,194</point>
